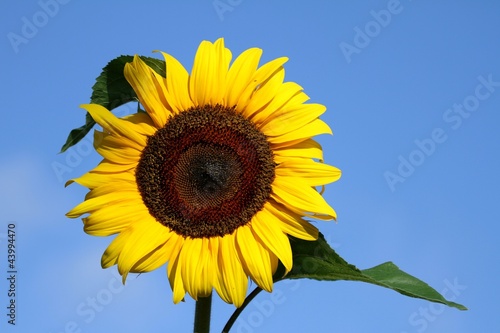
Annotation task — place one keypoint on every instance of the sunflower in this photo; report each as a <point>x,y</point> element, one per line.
<point>212,178</point>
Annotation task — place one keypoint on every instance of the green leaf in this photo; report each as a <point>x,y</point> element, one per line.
<point>390,276</point>
<point>111,90</point>
<point>317,260</point>
<point>78,133</point>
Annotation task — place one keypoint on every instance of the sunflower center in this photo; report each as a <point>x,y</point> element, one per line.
<point>207,175</point>
<point>207,172</point>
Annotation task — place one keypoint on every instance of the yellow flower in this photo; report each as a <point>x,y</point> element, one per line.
<point>212,177</point>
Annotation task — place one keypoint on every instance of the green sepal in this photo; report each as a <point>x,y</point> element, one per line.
<point>317,260</point>
<point>111,90</point>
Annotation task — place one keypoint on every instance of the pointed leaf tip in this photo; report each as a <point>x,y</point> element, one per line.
<point>317,260</point>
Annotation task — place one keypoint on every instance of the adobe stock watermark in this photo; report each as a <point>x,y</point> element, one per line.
<point>88,309</point>
<point>424,316</point>
<point>30,25</point>
<point>260,310</point>
<point>452,117</point>
<point>223,6</point>
<point>74,156</point>
<point>365,34</point>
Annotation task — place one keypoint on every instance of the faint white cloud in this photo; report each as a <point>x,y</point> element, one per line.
<point>20,181</point>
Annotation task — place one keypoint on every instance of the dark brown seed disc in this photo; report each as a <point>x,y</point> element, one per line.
<point>206,172</point>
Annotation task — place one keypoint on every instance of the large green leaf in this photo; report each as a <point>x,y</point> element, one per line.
<point>390,276</point>
<point>111,90</point>
<point>317,260</point>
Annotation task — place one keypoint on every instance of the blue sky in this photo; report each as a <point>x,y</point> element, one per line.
<point>413,93</point>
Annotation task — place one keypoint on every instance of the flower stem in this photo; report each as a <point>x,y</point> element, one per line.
<point>202,314</point>
<point>237,312</point>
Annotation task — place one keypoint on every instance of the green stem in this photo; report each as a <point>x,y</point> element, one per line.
<point>202,314</point>
<point>237,312</point>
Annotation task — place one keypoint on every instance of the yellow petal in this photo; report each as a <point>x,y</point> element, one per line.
<point>301,198</point>
<point>94,179</point>
<point>316,127</point>
<point>313,173</point>
<point>207,83</point>
<point>113,219</point>
<point>266,228</point>
<point>225,57</point>
<point>280,99</point>
<point>219,283</point>
<point>261,75</point>
<point>291,119</point>
<point>174,271</point>
<point>264,94</point>
<point>177,81</point>
<point>114,125</point>
<point>115,149</point>
<point>129,189</point>
<point>195,259</point>
<point>163,94</point>
<point>108,167</point>
<point>158,256</point>
<point>139,122</point>
<point>292,223</point>
<point>175,279</point>
<point>109,199</point>
<point>233,281</point>
<point>255,258</point>
<point>144,81</point>
<point>110,256</point>
<point>306,149</point>
<point>142,123</point>
<point>151,261</point>
<point>188,258</point>
<point>204,271</point>
<point>202,71</point>
<point>214,252</point>
<point>240,74</point>
<point>147,235</point>
<point>274,262</point>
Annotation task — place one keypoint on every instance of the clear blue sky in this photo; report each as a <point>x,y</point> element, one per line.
<point>413,96</point>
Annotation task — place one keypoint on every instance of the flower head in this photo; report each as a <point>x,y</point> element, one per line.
<point>212,177</point>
